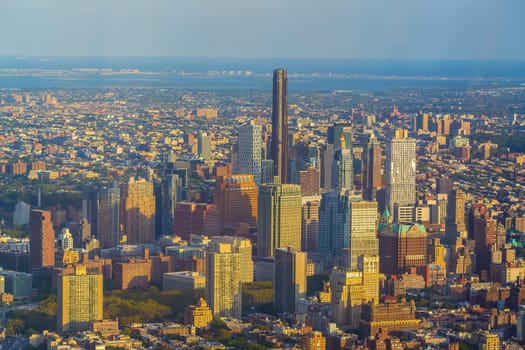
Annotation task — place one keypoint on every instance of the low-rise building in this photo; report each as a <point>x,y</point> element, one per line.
<point>199,315</point>
<point>183,280</point>
<point>391,315</point>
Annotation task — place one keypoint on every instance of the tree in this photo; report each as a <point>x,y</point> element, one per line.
<point>146,304</point>
<point>43,317</point>
<point>218,331</point>
<point>256,294</point>
<point>14,326</point>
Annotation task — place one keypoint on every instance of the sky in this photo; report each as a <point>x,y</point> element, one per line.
<point>360,29</point>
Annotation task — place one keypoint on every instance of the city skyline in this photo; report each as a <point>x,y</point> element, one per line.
<point>202,28</point>
<point>167,202</point>
<point>230,240</point>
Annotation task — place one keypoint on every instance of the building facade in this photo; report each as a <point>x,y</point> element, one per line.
<point>343,170</point>
<point>170,196</point>
<point>279,146</point>
<point>236,197</point>
<point>390,315</point>
<point>80,300</point>
<point>223,280</point>
<point>108,212</point>
<point>371,168</point>
<point>347,225</point>
<point>289,278</point>
<point>198,316</point>
<point>400,171</point>
<point>310,223</point>
<point>250,150</point>
<point>197,218</point>
<point>327,158</point>
<point>455,220</point>
<point>204,146</point>
<point>138,211</point>
<point>279,214</point>
<point>363,217</point>
<point>351,288</point>
<point>402,246</point>
<point>42,240</point>
<point>21,215</point>
<point>242,246</point>
<point>309,181</point>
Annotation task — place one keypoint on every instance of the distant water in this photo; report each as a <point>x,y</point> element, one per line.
<point>305,74</point>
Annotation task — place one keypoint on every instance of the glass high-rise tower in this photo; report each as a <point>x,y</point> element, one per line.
<point>108,211</point>
<point>347,227</point>
<point>279,218</point>
<point>250,141</point>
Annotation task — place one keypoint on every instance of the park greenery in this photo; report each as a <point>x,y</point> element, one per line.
<point>514,141</point>
<point>219,332</point>
<point>258,296</point>
<point>129,306</point>
<point>52,196</point>
<point>147,305</point>
<point>35,320</point>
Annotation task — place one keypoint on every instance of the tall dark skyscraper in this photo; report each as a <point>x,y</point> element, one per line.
<point>371,168</point>
<point>340,136</point>
<point>108,209</point>
<point>280,125</point>
<point>455,225</point>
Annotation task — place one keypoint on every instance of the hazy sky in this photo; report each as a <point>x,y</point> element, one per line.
<point>436,29</point>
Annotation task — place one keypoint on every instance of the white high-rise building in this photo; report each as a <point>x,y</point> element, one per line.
<point>223,280</point>
<point>21,213</point>
<point>400,171</point>
<point>242,246</point>
<point>250,141</point>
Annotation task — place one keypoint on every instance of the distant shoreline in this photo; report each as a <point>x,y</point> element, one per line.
<point>255,74</point>
<point>408,67</point>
